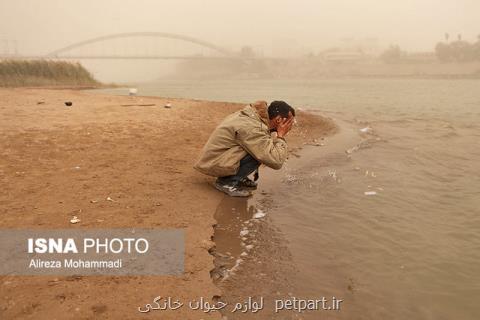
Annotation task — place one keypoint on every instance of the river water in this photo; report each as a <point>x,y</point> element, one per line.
<point>410,247</point>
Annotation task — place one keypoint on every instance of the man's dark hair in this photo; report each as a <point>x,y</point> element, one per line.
<point>279,108</point>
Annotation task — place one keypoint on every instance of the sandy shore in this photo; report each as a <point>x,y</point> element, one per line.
<point>58,162</point>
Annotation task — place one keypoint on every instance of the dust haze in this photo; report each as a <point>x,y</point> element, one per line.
<point>267,28</point>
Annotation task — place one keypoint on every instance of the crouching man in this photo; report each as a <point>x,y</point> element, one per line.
<point>245,139</point>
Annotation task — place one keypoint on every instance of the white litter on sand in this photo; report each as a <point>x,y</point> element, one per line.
<point>232,270</point>
<point>259,214</point>
<point>370,193</point>
<point>366,130</point>
<point>352,150</point>
<point>333,174</point>
<point>74,220</point>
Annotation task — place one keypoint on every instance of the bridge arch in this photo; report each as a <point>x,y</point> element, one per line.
<point>166,35</point>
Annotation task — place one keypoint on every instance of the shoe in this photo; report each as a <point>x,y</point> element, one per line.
<point>232,191</point>
<point>248,184</point>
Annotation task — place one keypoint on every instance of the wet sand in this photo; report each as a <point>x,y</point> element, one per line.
<point>58,162</point>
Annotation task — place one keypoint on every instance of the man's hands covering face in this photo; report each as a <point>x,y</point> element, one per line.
<point>284,126</point>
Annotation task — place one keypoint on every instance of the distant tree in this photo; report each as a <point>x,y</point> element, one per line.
<point>476,49</point>
<point>443,52</point>
<point>458,51</point>
<point>462,51</point>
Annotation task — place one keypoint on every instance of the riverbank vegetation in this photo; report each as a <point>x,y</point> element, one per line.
<point>23,73</point>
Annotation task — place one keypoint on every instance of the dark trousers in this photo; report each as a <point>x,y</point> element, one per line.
<point>248,165</point>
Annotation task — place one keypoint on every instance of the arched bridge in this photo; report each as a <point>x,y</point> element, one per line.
<point>89,49</point>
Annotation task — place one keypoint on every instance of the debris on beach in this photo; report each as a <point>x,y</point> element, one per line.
<point>370,173</point>
<point>366,130</point>
<point>232,270</point>
<point>132,91</point>
<point>74,220</point>
<point>370,193</point>
<point>259,214</point>
<point>333,174</point>
<point>68,103</point>
<point>168,105</point>
<point>41,102</point>
<point>351,150</point>
<point>110,199</point>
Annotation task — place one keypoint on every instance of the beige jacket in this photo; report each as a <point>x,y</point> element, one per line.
<point>241,132</point>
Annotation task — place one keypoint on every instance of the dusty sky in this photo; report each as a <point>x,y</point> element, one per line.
<point>39,26</point>
<point>271,27</point>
